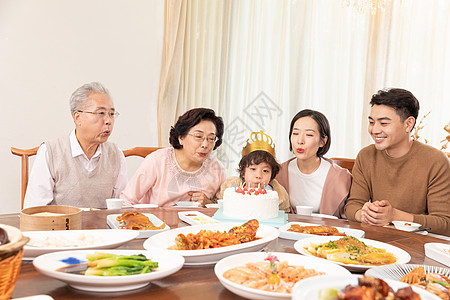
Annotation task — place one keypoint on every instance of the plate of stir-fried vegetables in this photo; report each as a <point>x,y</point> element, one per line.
<point>352,253</point>
<point>108,270</point>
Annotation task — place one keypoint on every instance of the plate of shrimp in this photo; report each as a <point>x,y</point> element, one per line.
<point>261,275</point>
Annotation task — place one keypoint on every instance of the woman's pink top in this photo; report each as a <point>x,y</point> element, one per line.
<point>160,180</point>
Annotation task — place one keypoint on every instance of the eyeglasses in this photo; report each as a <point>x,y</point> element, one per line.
<point>200,138</point>
<point>102,114</point>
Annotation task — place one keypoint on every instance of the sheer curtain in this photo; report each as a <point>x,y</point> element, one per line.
<point>193,72</point>
<point>258,63</point>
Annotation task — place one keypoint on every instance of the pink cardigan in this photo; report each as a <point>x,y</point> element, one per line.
<point>335,190</point>
<point>160,180</point>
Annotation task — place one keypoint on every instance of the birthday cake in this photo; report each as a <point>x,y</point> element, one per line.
<point>243,203</point>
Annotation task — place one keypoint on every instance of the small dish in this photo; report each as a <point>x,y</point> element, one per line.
<point>145,205</point>
<point>406,226</point>
<point>48,264</point>
<point>324,216</point>
<point>88,208</point>
<point>212,205</point>
<point>112,222</point>
<point>196,218</point>
<point>187,204</point>
<point>439,252</point>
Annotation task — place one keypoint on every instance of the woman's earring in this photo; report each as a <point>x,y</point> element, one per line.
<point>181,143</point>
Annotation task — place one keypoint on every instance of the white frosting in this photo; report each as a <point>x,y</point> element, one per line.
<point>260,207</point>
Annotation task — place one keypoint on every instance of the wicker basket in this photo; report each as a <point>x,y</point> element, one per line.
<point>9,270</point>
<point>10,260</point>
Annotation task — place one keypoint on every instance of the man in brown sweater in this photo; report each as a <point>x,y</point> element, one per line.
<point>398,178</point>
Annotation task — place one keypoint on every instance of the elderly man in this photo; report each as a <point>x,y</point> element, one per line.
<point>398,178</point>
<point>81,169</point>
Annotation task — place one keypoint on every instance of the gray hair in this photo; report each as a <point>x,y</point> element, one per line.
<point>80,96</point>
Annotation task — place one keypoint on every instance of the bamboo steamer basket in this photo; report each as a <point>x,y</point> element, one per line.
<point>59,218</point>
<point>10,260</point>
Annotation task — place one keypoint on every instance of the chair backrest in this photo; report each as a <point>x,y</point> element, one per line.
<point>140,151</point>
<point>346,163</point>
<point>26,153</point>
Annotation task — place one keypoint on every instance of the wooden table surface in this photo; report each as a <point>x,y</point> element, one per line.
<point>196,282</point>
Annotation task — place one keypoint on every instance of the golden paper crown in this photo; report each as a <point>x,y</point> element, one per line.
<point>259,141</point>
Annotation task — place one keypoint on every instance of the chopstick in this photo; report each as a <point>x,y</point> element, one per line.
<point>423,229</point>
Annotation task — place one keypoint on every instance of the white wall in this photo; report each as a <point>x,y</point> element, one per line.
<point>48,48</point>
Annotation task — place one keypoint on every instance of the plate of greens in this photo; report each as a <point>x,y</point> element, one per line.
<point>108,270</point>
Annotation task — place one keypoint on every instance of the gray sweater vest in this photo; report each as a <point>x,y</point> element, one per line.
<point>74,185</point>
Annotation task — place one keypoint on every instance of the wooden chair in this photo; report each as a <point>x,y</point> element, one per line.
<point>346,163</point>
<point>26,153</point>
<point>140,151</point>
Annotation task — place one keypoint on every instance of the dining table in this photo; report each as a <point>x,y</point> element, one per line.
<point>197,282</point>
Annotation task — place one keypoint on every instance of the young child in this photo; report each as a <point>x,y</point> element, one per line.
<point>258,168</point>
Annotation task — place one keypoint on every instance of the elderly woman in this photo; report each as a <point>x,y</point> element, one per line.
<point>81,169</point>
<point>309,178</point>
<point>185,171</point>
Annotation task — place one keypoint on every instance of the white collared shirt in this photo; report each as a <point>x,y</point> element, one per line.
<point>40,184</point>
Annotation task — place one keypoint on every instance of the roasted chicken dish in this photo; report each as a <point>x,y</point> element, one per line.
<point>206,239</point>
<point>136,221</point>
<point>317,230</point>
<point>246,232</point>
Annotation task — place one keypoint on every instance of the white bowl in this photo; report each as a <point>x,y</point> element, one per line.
<point>406,226</point>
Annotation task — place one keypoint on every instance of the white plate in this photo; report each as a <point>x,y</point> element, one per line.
<point>187,204</point>
<point>419,232</point>
<point>212,205</point>
<point>47,264</point>
<point>196,218</point>
<point>406,226</point>
<point>290,235</point>
<point>107,239</point>
<point>396,272</point>
<point>292,259</point>
<point>36,297</point>
<point>310,288</point>
<point>402,256</point>
<point>114,224</point>
<point>324,216</point>
<point>164,240</point>
<point>439,252</point>
<point>145,205</point>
